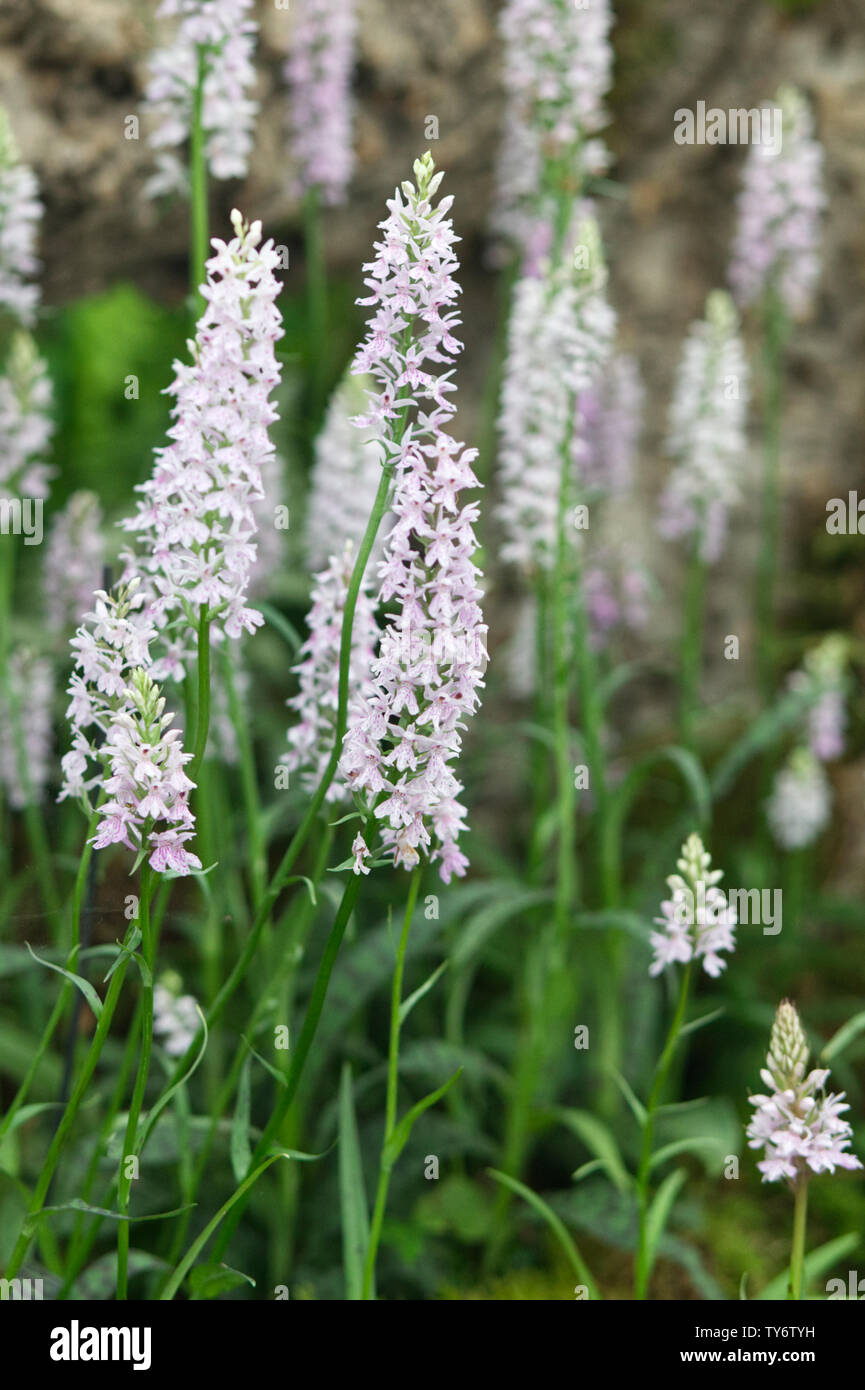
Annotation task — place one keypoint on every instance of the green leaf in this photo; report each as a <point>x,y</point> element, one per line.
<point>701,1022</point>
<point>684,1146</point>
<point>845,1035</point>
<point>408,1004</point>
<point>819,1262</point>
<point>161,1102</point>
<point>84,985</point>
<point>555,1224</point>
<point>400,1136</point>
<point>240,1148</point>
<point>310,886</point>
<point>274,1071</point>
<point>276,620</point>
<point>637,1108</point>
<point>618,920</point>
<point>685,763</point>
<point>76,1204</point>
<point>198,1245</point>
<point>743,1287</point>
<point>483,924</point>
<point>765,731</point>
<point>599,1140</point>
<point>210,1280</point>
<point>659,1211</point>
<point>352,1192</point>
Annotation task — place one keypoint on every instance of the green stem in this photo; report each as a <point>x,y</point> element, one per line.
<point>385,1163</point>
<point>202,727</point>
<point>692,647</point>
<point>797,1253</point>
<point>566,869</point>
<point>301,1052</point>
<point>66,991</point>
<point>125,1182</point>
<point>66,1123</point>
<point>775,334</point>
<point>643,1264</point>
<point>252,805</point>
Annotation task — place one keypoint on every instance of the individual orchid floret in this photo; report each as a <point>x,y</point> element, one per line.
<point>113,639</point>
<point>214,42</point>
<point>345,478</point>
<point>74,558</point>
<point>196,519</point>
<point>557,71</point>
<point>797,1124</point>
<point>26,424</point>
<point>26,706</point>
<point>697,921</point>
<point>176,1016</point>
<point>319,71</point>
<point>311,738</point>
<point>706,436</point>
<point>360,854</point>
<point>20,214</point>
<point>800,805</point>
<point>776,243</point>
<point>560,337</point>
<point>147,790</point>
<point>432,655</point>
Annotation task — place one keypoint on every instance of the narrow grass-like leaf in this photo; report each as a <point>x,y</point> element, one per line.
<point>398,1140</point>
<point>209,1281</point>
<point>352,1192</point>
<point>684,1146</point>
<point>84,985</point>
<point>659,1212</point>
<point>701,1022</point>
<point>819,1262</point>
<point>599,1140</point>
<point>408,1004</point>
<point>845,1035</point>
<point>636,1106</point>
<point>555,1224</point>
<point>198,1245</point>
<point>240,1148</point>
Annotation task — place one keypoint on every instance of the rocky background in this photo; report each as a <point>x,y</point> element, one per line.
<point>71,71</point>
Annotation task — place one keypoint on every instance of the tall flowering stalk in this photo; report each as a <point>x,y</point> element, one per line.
<point>774,268</point>
<point>697,924</point>
<point>318,72</point>
<point>408,351</point>
<point>800,804</point>
<point>557,71</point>
<point>20,215</point>
<point>797,1125</point>
<point>706,440</point>
<point>196,520</point>
<point>199,95</point>
<point>560,339</point>
<point>122,744</point>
